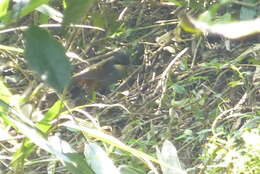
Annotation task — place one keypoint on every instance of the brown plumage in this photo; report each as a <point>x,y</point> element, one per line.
<point>104,73</point>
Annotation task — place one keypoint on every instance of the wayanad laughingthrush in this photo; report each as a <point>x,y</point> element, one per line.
<point>104,73</point>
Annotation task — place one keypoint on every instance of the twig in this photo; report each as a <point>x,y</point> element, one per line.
<point>22,28</point>
<point>164,77</point>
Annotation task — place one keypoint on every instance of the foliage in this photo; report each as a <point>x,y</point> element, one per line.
<point>237,152</point>
<point>45,62</point>
<point>183,88</point>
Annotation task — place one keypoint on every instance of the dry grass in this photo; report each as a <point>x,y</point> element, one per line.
<point>184,90</point>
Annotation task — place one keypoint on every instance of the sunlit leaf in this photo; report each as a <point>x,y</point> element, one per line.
<point>5,93</point>
<point>51,12</point>
<point>229,30</point>
<point>170,157</point>
<point>99,160</point>
<point>45,124</point>
<point>3,7</point>
<point>110,140</point>
<point>235,83</point>
<point>64,147</point>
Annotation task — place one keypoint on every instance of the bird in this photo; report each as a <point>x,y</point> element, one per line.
<point>101,75</point>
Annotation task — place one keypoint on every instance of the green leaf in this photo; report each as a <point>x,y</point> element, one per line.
<point>43,19</point>
<point>108,139</point>
<point>179,2</point>
<point>169,156</point>
<point>247,13</point>
<point>27,147</point>
<point>3,7</point>
<point>75,10</point>
<point>38,138</point>
<point>21,153</point>
<point>5,93</point>
<point>129,170</point>
<point>224,19</point>
<point>24,125</point>
<point>178,89</point>
<point>107,19</point>
<point>46,56</point>
<point>51,12</point>
<point>24,7</point>
<point>45,124</point>
<point>187,23</point>
<point>98,160</point>
<point>77,163</point>
<point>235,83</point>
<point>82,166</point>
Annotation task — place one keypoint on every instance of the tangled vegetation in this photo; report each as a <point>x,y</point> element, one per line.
<point>188,101</point>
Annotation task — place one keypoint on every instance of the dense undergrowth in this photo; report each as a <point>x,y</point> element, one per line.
<point>198,91</point>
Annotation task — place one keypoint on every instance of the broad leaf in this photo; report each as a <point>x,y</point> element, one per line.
<point>3,7</point>
<point>46,56</point>
<point>46,123</point>
<point>170,157</point>
<point>129,170</point>
<point>98,160</point>
<point>75,10</point>
<point>82,166</point>
<point>79,165</point>
<point>51,12</point>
